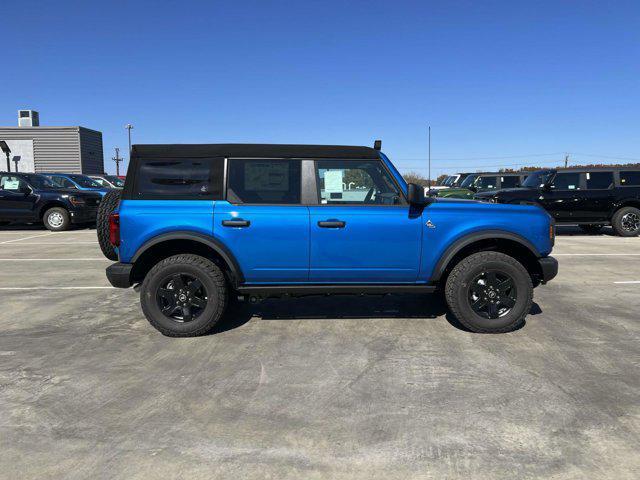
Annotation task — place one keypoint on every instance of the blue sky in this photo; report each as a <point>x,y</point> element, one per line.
<point>501,83</point>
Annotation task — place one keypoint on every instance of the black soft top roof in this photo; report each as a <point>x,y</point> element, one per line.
<point>251,150</point>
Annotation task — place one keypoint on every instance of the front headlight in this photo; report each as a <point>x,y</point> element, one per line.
<point>77,201</point>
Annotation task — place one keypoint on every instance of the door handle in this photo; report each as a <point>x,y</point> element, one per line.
<point>332,224</point>
<point>238,222</point>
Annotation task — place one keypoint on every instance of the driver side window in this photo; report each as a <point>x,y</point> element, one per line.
<point>12,184</point>
<point>355,182</point>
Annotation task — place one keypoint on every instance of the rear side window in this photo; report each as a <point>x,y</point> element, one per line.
<point>599,180</point>
<point>630,178</point>
<point>264,181</point>
<point>179,179</point>
<point>509,182</point>
<point>567,181</point>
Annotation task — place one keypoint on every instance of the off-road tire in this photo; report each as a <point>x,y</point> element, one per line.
<point>59,213</point>
<point>457,292</point>
<point>209,275</point>
<point>107,206</point>
<point>617,222</point>
<point>591,229</point>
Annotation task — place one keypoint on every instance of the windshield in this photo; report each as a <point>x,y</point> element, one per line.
<point>40,182</point>
<point>468,181</point>
<point>84,182</point>
<point>449,180</point>
<point>537,179</point>
<point>118,182</point>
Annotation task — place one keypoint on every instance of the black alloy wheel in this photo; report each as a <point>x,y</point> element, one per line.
<point>181,297</point>
<point>492,294</point>
<point>630,222</point>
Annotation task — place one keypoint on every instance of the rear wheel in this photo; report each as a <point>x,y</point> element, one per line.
<point>108,205</point>
<point>591,229</point>
<point>626,222</point>
<point>56,219</point>
<point>184,296</point>
<point>489,292</point>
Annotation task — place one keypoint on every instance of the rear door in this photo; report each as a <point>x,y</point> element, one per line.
<point>362,229</point>
<point>597,196</point>
<point>509,181</point>
<point>563,200</point>
<point>263,221</point>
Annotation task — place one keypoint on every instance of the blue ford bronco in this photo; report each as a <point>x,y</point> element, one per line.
<point>198,225</point>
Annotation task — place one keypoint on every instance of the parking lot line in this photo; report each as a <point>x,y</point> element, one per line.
<point>26,238</point>
<point>54,259</point>
<point>58,288</point>
<point>596,254</point>
<point>628,282</point>
<point>58,243</point>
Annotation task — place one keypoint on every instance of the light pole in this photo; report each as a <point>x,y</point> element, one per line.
<point>7,151</point>
<point>128,126</point>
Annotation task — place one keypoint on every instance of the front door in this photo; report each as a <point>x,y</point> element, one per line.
<point>263,221</point>
<point>17,200</point>
<point>362,230</point>
<point>563,199</point>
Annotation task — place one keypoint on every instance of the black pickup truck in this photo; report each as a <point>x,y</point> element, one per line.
<point>588,197</point>
<point>30,198</point>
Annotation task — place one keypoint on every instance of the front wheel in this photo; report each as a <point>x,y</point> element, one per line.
<point>184,295</point>
<point>489,292</point>
<point>56,219</point>
<point>626,222</point>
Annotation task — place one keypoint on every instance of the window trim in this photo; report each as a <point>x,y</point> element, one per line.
<point>404,202</point>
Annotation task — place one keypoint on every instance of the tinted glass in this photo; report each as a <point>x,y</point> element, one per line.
<point>84,181</point>
<point>179,178</point>
<point>509,182</point>
<point>537,179</point>
<point>567,181</point>
<point>63,182</point>
<point>468,181</point>
<point>41,182</point>
<point>630,178</point>
<point>366,182</point>
<point>118,182</point>
<point>599,180</point>
<point>264,181</point>
<point>487,183</point>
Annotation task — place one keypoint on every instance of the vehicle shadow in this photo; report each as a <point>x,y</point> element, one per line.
<point>343,307</point>
<point>575,231</point>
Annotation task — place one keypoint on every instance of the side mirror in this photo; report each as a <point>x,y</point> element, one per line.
<point>415,194</point>
<point>473,188</point>
<point>25,189</point>
<point>517,185</point>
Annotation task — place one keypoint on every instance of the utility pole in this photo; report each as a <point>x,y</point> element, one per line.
<point>117,159</point>
<point>429,176</point>
<point>566,160</point>
<point>128,126</point>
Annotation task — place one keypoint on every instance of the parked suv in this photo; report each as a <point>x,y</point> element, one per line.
<point>76,181</point>
<point>589,197</point>
<point>482,182</point>
<point>199,223</point>
<point>30,197</point>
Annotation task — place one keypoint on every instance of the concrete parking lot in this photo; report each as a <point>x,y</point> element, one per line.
<point>341,387</point>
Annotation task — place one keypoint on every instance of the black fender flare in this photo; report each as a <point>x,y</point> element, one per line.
<point>470,238</point>
<point>211,242</point>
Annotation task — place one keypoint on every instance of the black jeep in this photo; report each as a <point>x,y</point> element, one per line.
<point>588,197</point>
